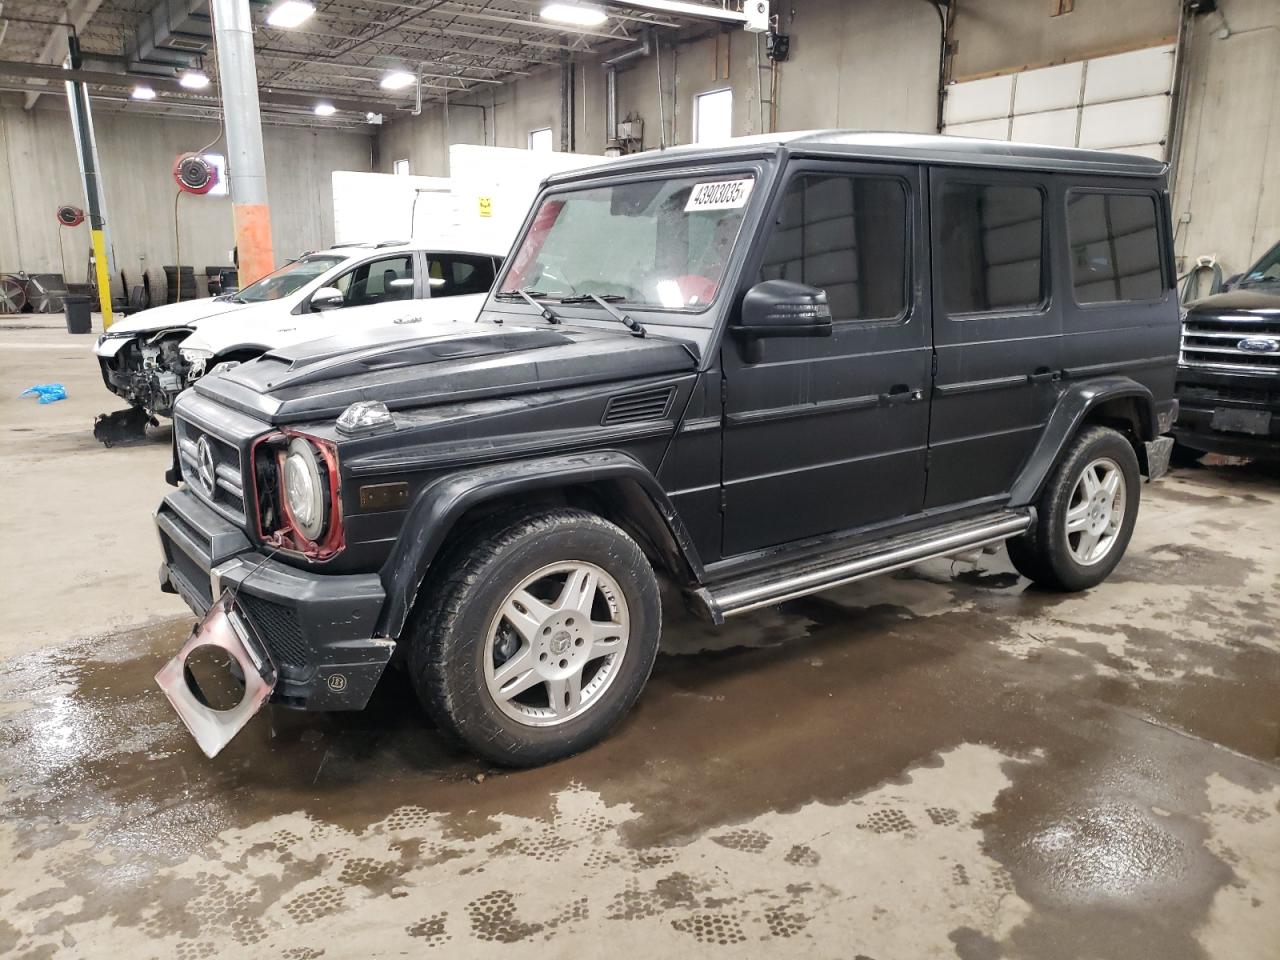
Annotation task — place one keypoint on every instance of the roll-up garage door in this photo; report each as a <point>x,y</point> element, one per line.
<point>1119,102</point>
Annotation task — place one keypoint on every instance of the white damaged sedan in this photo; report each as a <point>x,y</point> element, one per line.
<point>149,358</point>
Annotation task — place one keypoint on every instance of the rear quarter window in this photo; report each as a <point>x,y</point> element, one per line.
<point>1115,247</point>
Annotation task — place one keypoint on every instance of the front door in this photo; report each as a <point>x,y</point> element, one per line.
<point>997,332</point>
<point>830,434</point>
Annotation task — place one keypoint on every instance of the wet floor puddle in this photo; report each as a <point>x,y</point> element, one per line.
<point>943,761</point>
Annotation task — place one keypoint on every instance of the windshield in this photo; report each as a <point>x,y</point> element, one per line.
<point>1266,270</point>
<point>650,243</point>
<point>288,279</point>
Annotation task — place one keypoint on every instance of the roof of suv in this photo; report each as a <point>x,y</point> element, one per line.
<point>356,250</point>
<point>903,147</point>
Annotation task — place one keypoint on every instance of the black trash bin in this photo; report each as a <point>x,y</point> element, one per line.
<point>77,310</point>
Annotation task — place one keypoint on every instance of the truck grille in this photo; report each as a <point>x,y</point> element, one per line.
<point>1215,343</point>
<point>226,493</point>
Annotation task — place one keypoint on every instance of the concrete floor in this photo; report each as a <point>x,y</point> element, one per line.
<point>940,763</point>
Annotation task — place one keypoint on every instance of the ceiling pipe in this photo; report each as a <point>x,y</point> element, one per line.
<point>643,49</point>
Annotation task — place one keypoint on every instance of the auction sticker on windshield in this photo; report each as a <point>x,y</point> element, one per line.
<point>721,195</point>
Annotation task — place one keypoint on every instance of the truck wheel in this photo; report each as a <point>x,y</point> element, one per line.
<point>1085,515</point>
<point>538,637</point>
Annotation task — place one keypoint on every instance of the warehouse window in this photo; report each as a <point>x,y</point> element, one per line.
<point>713,116</point>
<point>401,167</point>
<point>848,236</point>
<point>1115,247</point>
<point>541,140</point>
<point>991,247</point>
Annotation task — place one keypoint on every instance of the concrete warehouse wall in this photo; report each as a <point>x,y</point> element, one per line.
<point>871,65</point>
<point>38,171</point>
<point>1227,187</point>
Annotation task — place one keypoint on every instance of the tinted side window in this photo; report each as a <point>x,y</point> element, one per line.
<point>847,235</point>
<point>452,274</point>
<point>991,246</point>
<point>1115,247</point>
<point>378,281</point>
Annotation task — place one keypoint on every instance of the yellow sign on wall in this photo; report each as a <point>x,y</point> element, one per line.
<point>486,206</point>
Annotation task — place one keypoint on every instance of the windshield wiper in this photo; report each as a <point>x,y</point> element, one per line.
<point>528,297</point>
<point>605,302</point>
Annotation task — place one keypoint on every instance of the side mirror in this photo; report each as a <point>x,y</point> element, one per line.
<point>782,308</point>
<point>326,298</point>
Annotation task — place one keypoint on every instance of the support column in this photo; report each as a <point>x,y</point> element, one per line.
<point>90,178</point>
<point>246,164</point>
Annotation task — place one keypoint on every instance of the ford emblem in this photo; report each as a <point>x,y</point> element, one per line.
<point>1259,345</point>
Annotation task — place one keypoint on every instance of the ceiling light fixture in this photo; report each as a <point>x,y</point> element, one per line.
<point>194,80</point>
<point>290,13</point>
<point>397,80</point>
<point>574,14</point>
<point>325,109</point>
<point>142,92</point>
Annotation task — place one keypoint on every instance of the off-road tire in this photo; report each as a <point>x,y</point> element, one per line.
<point>1043,554</point>
<point>448,634</point>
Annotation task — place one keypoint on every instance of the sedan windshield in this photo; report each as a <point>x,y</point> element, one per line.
<point>288,279</point>
<point>1266,270</point>
<point>651,243</point>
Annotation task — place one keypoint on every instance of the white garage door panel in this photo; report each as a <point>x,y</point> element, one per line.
<point>1124,122</point>
<point>1051,88</point>
<point>982,130</point>
<point>1057,128</point>
<point>979,100</point>
<point>1140,73</point>
<point>1155,151</point>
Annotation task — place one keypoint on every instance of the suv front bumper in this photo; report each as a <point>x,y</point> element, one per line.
<point>1202,394</point>
<point>316,627</point>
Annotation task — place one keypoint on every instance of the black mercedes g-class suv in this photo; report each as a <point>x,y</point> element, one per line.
<point>1229,370</point>
<point>760,370</point>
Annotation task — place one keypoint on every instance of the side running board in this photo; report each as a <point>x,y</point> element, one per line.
<point>788,582</point>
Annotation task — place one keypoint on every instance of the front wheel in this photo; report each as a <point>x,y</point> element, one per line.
<point>1086,514</point>
<point>539,637</point>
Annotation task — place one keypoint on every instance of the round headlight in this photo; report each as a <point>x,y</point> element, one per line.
<point>304,488</point>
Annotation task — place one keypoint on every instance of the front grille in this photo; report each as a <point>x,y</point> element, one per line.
<point>1191,393</point>
<point>639,406</point>
<point>279,628</point>
<point>1214,343</point>
<point>227,494</point>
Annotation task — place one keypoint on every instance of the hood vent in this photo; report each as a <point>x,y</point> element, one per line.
<point>636,407</point>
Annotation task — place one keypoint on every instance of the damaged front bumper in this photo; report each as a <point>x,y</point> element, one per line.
<point>316,628</point>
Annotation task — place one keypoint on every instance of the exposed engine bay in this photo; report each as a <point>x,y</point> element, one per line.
<point>150,371</point>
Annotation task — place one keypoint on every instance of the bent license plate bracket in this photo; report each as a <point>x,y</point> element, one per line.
<point>226,628</point>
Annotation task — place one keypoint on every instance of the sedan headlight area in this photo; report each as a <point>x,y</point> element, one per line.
<point>304,489</point>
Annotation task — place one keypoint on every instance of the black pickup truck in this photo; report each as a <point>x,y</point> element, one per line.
<point>759,371</point>
<point>1229,369</point>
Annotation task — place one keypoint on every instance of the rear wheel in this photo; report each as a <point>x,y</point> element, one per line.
<point>1085,515</point>
<point>540,636</point>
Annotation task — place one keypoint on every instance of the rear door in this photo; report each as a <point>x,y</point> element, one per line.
<point>997,331</point>
<point>829,434</point>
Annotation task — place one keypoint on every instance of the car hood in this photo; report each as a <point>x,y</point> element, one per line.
<point>1257,301</point>
<point>321,378</point>
<point>255,330</point>
<point>174,315</point>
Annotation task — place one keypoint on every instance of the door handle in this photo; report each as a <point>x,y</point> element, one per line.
<point>900,393</point>
<point>1043,375</point>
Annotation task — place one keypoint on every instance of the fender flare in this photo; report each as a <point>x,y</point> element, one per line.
<point>439,507</point>
<point>1073,409</point>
